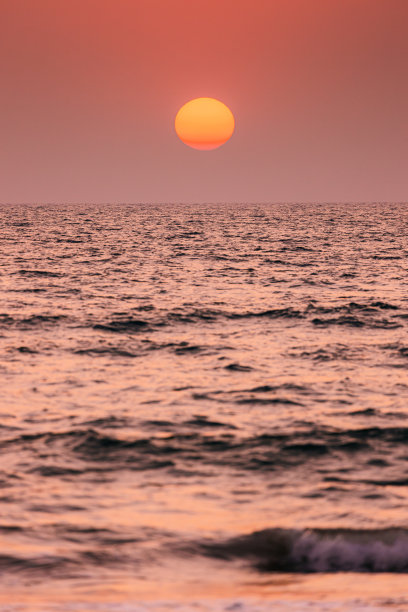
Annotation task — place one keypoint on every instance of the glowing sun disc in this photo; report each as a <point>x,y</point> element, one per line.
<point>204,123</point>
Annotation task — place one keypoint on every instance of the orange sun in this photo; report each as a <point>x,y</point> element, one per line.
<point>204,123</point>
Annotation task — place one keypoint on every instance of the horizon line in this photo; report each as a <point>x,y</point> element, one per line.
<point>155,203</point>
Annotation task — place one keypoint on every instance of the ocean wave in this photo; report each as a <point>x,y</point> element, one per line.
<point>354,314</point>
<point>40,274</point>
<point>201,441</point>
<point>336,550</point>
<point>371,315</point>
<point>111,351</point>
<point>237,367</point>
<point>357,322</point>
<point>25,323</point>
<point>271,313</point>
<point>350,307</point>
<point>273,550</point>
<point>265,394</point>
<point>122,325</point>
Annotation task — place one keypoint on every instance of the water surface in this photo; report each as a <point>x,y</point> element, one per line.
<point>202,403</point>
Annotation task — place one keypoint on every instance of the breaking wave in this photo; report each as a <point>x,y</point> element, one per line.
<point>286,550</point>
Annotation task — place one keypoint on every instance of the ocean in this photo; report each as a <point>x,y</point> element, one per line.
<point>204,407</point>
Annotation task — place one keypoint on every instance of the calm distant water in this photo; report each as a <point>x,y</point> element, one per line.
<point>204,407</point>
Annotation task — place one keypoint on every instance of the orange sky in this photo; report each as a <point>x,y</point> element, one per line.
<point>90,88</point>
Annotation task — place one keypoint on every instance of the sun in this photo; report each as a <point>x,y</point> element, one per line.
<point>204,123</point>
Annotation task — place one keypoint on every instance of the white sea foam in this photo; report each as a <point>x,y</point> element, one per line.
<point>315,553</point>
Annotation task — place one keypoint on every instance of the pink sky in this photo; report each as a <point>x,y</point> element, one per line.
<point>90,88</point>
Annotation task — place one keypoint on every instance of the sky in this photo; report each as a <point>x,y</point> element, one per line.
<point>89,90</point>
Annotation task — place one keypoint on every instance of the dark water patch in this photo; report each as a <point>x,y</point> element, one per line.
<point>296,248</point>
<point>378,462</point>
<point>76,533</point>
<point>328,353</point>
<point>110,351</point>
<point>145,308</point>
<point>265,401</point>
<point>40,274</point>
<point>274,313</point>
<point>33,321</point>
<point>110,422</point>
<point>122,326</point>
<point>237,367</point>
<point>365,412</point>
<point>262,389</point>
<point>321,355</point>
<point>55,508</point>
<point>278,262</point>
<point>387,434</point>
<point>385,258</point>
<point>98,445</point>
<point>194,316</point>
<point>159,424</point>
<point>76,565</point>
<point>42,319</point>
<point>201,421</point>
<point>184,348</point>
<point>137,454</point>
<point>308,448</point>
<point>6,319</point>
<point>353,321</point>
<point>11,529</point>
<point>351,307</point>
<point>191,234</point>
<point>352,446</point>
<point>211,315</point>
<point>273,388</point>
<point>254,395</point>
<point>384,306</point>
<point>35,565</point>
<point>54,470</point>
<point>372,496</point>
<point>31,290</point>
<point>26,349</point>
<point>391,482</point>
<point>8,499</point>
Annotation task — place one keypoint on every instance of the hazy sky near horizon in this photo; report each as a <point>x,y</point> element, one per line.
<point>90,89</point>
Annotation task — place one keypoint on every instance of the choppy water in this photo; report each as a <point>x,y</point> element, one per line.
<point>203,395</point>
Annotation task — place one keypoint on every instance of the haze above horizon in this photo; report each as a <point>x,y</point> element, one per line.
<point>90,89</point>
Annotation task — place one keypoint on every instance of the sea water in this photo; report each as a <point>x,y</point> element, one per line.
<point>204,407</point>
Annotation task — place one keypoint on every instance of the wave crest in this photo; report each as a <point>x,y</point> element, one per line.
<point>280,550</point>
